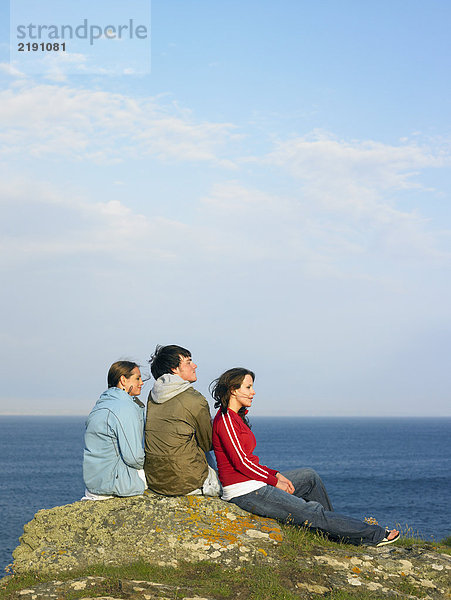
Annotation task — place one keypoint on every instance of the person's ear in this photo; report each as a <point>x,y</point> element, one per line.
<point>122,382</point>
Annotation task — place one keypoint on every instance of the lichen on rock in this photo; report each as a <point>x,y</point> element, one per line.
<point>407,572</point>
<point>154,528</point>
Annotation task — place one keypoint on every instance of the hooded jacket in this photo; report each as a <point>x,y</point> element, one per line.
<point>177,435</point>
<point>114,445</point>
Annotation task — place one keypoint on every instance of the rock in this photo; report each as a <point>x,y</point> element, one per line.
<point>131,589</point>
<point>166,531</point>
<point>154,528</point>
<point>408,572</point>
<point>314,588</point>
<point>320,573</point>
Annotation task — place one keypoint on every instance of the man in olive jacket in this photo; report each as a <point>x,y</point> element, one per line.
<point>178,428</point>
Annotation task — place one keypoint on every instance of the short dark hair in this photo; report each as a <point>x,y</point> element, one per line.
<point>222,387</point>
<point>166,358</point>
<point>119,368</point>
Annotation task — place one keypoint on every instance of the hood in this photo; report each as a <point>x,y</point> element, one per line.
<point>114,394</point>
<point>167,386</point>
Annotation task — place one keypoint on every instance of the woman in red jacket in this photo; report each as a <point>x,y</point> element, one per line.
<point>298,496</point>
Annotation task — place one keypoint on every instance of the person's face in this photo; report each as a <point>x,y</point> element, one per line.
<point>243,395</point>
<point>133,384</point>
<point>186,369</point>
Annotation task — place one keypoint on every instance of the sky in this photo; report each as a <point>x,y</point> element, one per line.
<point>266,184</point>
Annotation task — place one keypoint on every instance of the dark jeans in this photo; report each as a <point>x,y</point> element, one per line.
<point>309,505</point>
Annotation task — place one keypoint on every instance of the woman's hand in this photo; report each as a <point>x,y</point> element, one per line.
<point>284,484</point>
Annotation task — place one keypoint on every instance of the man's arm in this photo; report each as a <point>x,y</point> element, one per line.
<point>203,426</point>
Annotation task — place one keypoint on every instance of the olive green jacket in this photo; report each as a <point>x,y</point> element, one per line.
<point>177,435</point>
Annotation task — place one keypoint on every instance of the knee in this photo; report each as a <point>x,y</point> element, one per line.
<point>312,475</point>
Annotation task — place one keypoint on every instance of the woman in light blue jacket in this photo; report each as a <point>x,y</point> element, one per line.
<point>114,456</point>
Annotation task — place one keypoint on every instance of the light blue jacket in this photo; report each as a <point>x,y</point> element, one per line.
<point>114,445</point>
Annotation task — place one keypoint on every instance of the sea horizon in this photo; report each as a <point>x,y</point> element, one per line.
<point>251,415</point>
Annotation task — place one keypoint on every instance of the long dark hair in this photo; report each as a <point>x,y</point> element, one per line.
<point>222,387</point>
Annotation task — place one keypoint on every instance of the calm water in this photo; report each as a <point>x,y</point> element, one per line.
<point>397,470</point>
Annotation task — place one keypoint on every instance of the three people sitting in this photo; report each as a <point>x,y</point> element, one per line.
<point>178,438</point>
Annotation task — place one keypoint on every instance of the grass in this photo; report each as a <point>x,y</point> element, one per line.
<point>410,537</point>
<point>299,541</point>
<point>258,583</point>
<point>252,582</point>
<point>204,579</point>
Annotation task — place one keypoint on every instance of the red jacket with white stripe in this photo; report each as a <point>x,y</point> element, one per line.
<point>233,443</point>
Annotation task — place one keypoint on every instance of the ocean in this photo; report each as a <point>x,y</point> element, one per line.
<point>397,470</point>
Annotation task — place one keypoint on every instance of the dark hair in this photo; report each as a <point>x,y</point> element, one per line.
<point>222,387</point>
<point>119,368</point>
<point>166,358</point>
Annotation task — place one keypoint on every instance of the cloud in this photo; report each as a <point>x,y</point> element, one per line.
<point>243,268</point>
<point>11,70</point>
<point>341,202</point>
<point>56,66</point>
<point>79,124</point>
<point>250,223</point>
<point>233,223</point>
<point>354,187</point>
<point>296,229</point>
<point>324,162</point>
<point>42,222</point>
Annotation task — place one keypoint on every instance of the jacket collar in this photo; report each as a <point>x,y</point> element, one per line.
<point>167,386</point>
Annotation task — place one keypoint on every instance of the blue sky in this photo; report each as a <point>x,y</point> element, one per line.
<point>275,193</point>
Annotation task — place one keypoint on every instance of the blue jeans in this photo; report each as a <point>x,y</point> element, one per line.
<point>309,505</point>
